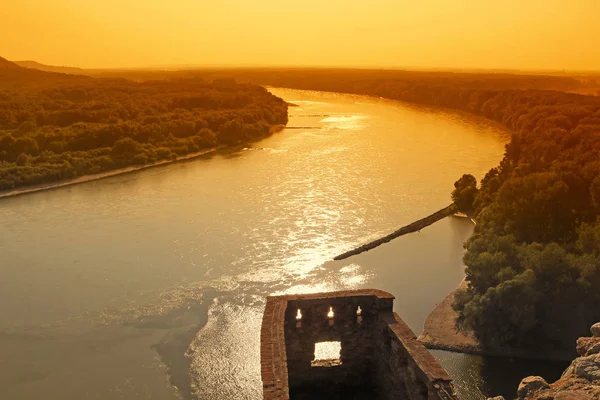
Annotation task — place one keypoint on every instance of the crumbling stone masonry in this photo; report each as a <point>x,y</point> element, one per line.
<point>380,356</point>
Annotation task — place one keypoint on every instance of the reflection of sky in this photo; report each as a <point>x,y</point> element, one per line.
<point>243,226</point>
<point>308,234</point>
<point>229,344</point>
<point>325,196</point>
<point>352,122</point>
<point>313,208</point>
<point>225,354</point>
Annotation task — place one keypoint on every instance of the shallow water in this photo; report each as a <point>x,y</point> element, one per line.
<point>151,285</point>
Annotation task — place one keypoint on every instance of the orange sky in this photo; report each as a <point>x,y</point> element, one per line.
<point>513,34</point>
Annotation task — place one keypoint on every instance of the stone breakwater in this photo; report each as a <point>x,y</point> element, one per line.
<point>415,226</point>
<point>580,381</point>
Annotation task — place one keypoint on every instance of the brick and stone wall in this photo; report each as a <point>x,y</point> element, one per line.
<point>405,368</point>
<point>378,350</point>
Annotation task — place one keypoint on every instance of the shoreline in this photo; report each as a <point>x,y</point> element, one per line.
<point>102,175</point>
<point>120,171</point>
<point>440,333</point>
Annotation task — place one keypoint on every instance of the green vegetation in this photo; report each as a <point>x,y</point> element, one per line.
<point>55,127</point>
<point>464,193</point>
<point>533,263</point>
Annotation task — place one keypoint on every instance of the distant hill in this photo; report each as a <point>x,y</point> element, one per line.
<point>5,64</point>
<point>13,75</point>
<point>51,68</point>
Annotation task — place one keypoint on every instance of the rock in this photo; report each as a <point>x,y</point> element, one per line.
<point>586,346</point>
<point>573,395</point>
<point>595,349</point>
<point>595,329</point>
<point>569,372</point>
<point>531,384</point>
<point>586,368</point>
<point>496,398</point>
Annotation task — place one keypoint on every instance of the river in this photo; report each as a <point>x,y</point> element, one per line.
<point>151,285</point>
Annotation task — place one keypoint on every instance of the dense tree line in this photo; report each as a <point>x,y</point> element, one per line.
<point>53,127</point>
<point>533,262</point>
<point>385,83</point>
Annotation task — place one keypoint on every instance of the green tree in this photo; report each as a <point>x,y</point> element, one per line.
<point>464,193</point>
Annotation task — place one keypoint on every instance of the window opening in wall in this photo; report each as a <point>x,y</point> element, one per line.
<point>330,313</point>
<point>330,316</point>
<point>327,354</point>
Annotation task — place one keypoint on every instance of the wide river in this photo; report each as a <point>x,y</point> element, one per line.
<point>151,285</point>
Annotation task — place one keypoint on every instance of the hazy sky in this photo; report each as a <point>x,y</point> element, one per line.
<point>522,34</point>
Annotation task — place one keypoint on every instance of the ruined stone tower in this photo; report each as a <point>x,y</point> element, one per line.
<point>379,356</point>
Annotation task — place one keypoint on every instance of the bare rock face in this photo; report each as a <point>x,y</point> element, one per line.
<point>574,395</point>
<point>581,381</point>
<point>531,384</point>
<point>586,346</point>
<point>585,367</point>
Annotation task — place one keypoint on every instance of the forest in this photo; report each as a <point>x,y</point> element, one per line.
<point>55,127</point>
<point>533,262</point>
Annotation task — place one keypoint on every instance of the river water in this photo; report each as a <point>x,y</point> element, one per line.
<point>151,285</point>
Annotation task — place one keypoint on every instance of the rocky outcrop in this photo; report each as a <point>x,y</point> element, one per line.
<point>585,368</point>
<point>574,395</point>
<point>531,384</point>
<point>581,381</point>
<point>596,330</point>
<point>586,346</point>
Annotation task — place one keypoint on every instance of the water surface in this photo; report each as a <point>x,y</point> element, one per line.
<point>151,285</point>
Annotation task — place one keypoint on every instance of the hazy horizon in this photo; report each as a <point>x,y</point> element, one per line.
<point>450,35</point>
<point>183,67</point>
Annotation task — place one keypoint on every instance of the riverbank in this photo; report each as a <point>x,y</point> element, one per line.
<point>440,333</point>
<point>108,174</point>
<point>119,171</point>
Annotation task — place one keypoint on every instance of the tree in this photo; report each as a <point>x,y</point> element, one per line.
<point>27,126</point>
<point>22,159</point>
<point>464,193</point>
